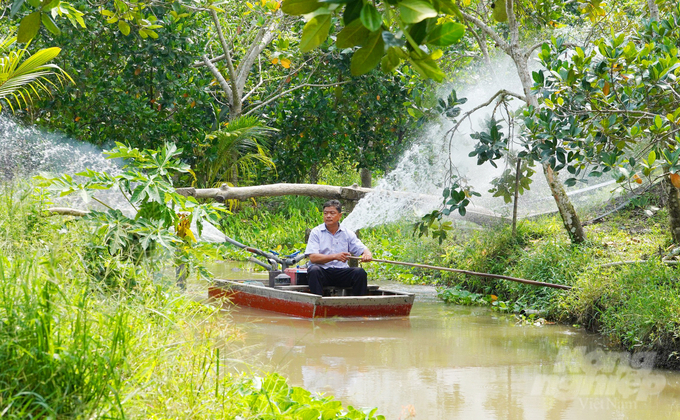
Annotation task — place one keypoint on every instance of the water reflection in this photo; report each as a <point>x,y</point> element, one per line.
<point>448,362</point>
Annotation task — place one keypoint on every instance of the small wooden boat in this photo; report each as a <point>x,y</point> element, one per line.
<point>297,300</point>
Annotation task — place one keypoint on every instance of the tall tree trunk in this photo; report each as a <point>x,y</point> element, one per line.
<point>314,174</point>
<point>569,217</point>
<point>234,177</point>
<point>518,170</point>
<point>653,10</point>
<point>365,175</point>
<point>673,201</point>
<point>567,211</point>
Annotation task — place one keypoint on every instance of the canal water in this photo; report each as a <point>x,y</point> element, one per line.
<point>454,362</point>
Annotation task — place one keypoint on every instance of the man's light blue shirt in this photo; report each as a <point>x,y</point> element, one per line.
<point>322,241</point>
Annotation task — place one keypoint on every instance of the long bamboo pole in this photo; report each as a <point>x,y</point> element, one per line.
<point>473,273</point>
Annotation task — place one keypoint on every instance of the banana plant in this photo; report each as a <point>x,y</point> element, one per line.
<point>23,79</point>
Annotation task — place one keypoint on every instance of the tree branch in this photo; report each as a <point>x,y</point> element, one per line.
<point>225,46</point>
<point>467,115</point>
<point>482,46</point>
<point>263,38</point>
<point>535,47</point>
<point>487,30</point>
<point>512,25</point>
<point>220,79</point>
<point>277,96</point>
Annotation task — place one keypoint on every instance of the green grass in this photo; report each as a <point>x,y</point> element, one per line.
<point>74,346</point>
<point>636,306</point>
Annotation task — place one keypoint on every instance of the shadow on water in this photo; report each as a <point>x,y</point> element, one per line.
<point>453,362</point>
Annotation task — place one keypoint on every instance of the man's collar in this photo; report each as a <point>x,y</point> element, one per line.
<point>326,228</point>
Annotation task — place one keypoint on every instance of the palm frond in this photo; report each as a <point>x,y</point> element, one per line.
<point>235,149</point>
<point>22,80</point>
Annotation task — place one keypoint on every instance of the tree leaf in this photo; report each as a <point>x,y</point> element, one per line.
<point>16,6</point>
<point>391,60</point>
<point>352,35</point>
<point>124,27</point>
<point>369,56</point>
<point>370,17</point>
<point>446,34</point>
<point>50,25</point>
<point>29,26</point>
<point>413,11</point>
<point>50,5</point>
<point>427,67</point>
<point>418,32</point>
<point>352,11</point>
<point>315,32</point>
<point>299,7</point>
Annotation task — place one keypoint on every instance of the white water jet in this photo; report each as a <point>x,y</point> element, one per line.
<point>414,187</point>
<point>27,151</point>
<point>419,177</point>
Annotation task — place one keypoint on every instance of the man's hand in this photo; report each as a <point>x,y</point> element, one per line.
<point>366,256</point>
<point>342,256</point>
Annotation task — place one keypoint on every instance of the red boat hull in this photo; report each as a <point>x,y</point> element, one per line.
<point>381,303</point>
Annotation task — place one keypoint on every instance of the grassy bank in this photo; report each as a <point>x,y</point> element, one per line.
<point>635,305</point>
<point>73,346</point>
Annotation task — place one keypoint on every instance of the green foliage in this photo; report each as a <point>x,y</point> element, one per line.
<point>146,184</point>
<point>610,108</point>
<point>531,254</point>
<point>233,152</point>
<point>456,198</point>
<point>315,32</point>
<point>391,26</point>
<point>141,93</point>
<point>397,242</point>
<point>360,123</point>
<point>506,184</point>
<point>125,15</point>
<point>457,296</point>
<point>277,224</point>
<point>272,398</point>
<point>490,144</point>
<point>635,305</point>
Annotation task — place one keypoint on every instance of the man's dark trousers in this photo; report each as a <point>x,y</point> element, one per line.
<point>354,277</point>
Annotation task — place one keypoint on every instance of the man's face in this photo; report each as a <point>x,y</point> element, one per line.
<point>331,216</point>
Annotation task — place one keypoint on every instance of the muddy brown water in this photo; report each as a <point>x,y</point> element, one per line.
<point>454,362</point>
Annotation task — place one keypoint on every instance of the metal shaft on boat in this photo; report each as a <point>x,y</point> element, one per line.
<point>473,273</point>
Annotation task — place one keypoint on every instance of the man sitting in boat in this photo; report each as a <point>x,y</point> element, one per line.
<point>329,248</point>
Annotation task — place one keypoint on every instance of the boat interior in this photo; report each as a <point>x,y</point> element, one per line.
<point>373,290</point>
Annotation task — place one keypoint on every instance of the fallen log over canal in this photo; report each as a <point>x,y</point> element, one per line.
<point>475,214</point>
<point>226,192</point>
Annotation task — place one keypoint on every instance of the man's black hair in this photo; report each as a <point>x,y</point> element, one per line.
<point>333,203</point>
